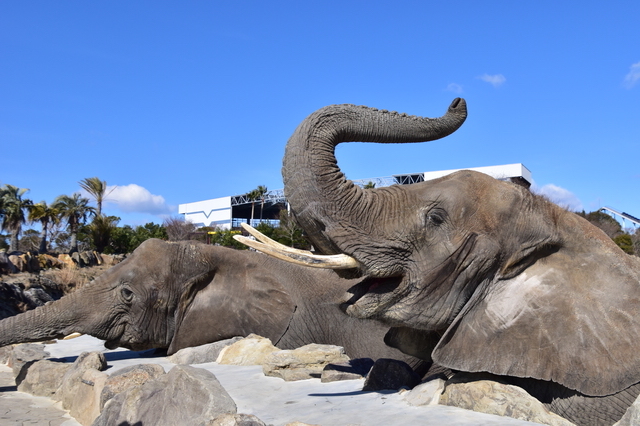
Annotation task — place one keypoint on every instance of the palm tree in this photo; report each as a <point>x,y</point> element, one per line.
<point>97,189</point>
<point>76,210</point>
<point>47,216</point>
<point>13,212</point>
<point>254,195</point>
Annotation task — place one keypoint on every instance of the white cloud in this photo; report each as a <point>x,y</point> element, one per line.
<point>560,196</point>
<point>495,80</point>
<point>633,76</point>
<point>133,198</point>
<point>454,87</point>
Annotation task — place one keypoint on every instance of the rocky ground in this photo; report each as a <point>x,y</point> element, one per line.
<point>22,291</point>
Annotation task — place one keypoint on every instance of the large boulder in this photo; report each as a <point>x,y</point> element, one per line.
<point>350,370</point>
<point>127,378</point>
<point>22,356</point>
<point>47,261</point>
<point>491,397</point>
<point>252,350</point>
<point>67,260</point>
<point>74,386</point>
<point>390,374</point>
<point>427,392</point>
<point>203,353</point>
<point>6,266</point>
<point>184,396</point>
<point>44,378</point>
<point>306,362</point>
<point>237,420</point>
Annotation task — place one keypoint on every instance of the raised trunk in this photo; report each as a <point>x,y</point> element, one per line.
<point>53,320</point>
<point>325,203</point>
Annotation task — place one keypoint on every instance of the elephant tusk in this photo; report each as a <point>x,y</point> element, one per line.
<point>72,336</point>
<point>292,255</point>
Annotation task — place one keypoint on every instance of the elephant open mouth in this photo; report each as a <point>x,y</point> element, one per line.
<point>372,296</point>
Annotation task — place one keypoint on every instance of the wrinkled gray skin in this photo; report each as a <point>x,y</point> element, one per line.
<point>177,295</point>
<point>476,274</point>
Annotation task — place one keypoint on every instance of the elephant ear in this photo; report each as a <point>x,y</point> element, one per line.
<point>237,297</point>
<point>570,317</point>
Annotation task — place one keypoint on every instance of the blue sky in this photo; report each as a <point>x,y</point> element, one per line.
<point>182,102</point>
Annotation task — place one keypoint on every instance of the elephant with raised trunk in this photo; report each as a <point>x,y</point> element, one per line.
<point>476,274</point>
<point>182,294</point>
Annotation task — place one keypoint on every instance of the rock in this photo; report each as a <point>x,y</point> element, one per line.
<point>252,350</point>
<point>47,261</point>
<point>67,260</point>
<point>427,392</point>
<point>203,353</point>
<point>390,374</point>
<point>72,385</point>
<point>111,259</point>
<point>128,377</point>
<point>18,262</point>
<point>5,353</point>
<point>87,258</point>
<point>306,362</point>
<point>85,406</point>
<point>350,370</point>
<point>237,420</point>
<point>43,378</point>
<point>487,396</point>
<point>6,267</point>
<point>184,396</point>
<point>22,356</point>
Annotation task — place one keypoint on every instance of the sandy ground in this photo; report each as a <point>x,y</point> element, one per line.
<point>272,400</point>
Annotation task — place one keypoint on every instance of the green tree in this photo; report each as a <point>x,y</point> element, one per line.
<point>369,185</point>
<point>625,243</point>
<point>75,209</point>
<point>290,234</point>
<point>224,237</point>
<point>121,240</point>
<point>14,207</point>
<point>97,189</point>
<point>47,216</point>
<point>101,229</point>
<point>148,230</point>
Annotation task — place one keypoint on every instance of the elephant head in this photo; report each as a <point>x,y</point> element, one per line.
<point>165,295</point>
<point>498,279</point>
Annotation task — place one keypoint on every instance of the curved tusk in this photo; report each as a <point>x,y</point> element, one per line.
<point>299,257</point>
<point>72,336</point>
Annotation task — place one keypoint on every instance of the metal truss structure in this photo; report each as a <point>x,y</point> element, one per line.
<point>624,216</point>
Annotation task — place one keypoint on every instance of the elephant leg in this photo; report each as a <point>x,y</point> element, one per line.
<point>583,410</point>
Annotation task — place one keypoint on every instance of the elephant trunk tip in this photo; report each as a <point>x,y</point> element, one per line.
<point>458,104</point>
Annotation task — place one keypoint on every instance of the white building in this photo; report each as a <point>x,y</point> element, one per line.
<point>228,212</point>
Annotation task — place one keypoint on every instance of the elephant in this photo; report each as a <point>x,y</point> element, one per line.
<point>473,273</point>
<point>173,295</point>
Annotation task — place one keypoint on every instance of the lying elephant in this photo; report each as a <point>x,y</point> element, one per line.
<point>177,295</point>
<point>476,274</point>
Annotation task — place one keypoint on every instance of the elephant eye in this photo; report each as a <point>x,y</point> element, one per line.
<point>435,217</point>
<point>127,294</point>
